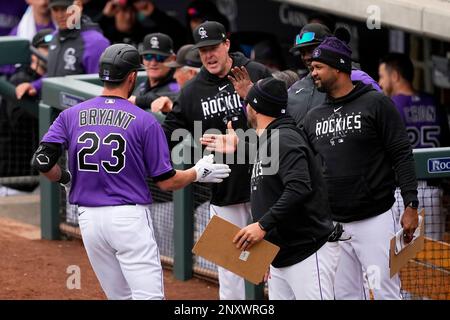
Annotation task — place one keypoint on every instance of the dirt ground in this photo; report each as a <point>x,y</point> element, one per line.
<point>31,268</point>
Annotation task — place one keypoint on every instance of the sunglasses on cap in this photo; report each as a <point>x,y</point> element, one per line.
<point>157,57</point>
<point>306,37</point>
<point>48,38</point>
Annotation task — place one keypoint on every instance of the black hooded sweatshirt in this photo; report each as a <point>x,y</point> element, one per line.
<point>288,194</point>
<point>363,144</point>
<point>210,99</point>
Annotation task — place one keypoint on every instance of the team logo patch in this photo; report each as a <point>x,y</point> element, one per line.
<point>316,53</point>
<point>154,42</point>
<point>42,159</point>
<point>202,33</point>
<point>70,59</point>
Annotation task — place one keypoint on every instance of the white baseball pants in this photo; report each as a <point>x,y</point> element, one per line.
<point>232,286</point>
<point>430,198</point>
<point>364,260</point>
<point>310,279</point>
<point>121,247</point>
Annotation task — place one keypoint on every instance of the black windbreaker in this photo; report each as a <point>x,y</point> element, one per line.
<point>364,146</point>
<point>288,193</point>
<point>210,99</point>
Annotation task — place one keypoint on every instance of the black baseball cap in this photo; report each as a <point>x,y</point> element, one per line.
<point>157,43</point>
<point>311,34</point>
<point>60,3</point>
<point>209,33</point>
<point>186,56</point>
<point>42,38</point>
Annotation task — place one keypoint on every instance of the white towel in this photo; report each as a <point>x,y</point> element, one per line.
<point>27,25</point>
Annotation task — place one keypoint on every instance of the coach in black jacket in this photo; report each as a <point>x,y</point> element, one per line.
<point>289,202</point>
<point>364,146</point>
<point>211,100</point>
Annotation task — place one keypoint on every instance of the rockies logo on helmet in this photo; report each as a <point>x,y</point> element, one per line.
<point>202,33</point>
<point>154,43</point>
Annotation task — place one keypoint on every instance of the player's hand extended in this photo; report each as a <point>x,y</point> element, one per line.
<point>208,171</point>
<point>409,222</point>
<point>163,104</point>
<point>223,143</point>
<point>248,236</point>
<point>25,88</point>
<point>241,81</point>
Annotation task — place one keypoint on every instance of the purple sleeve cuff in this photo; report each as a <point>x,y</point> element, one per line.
<point>37,84</point>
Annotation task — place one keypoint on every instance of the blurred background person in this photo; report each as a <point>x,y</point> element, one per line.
<point>198,11</point>
<point>72,50</point>
<point>427,127</point>
<point>36,17</point>
<point>268,53</point>
<point>153,20</point>
<point>19,135</point>
<point>119,23</point>
<point>10,14</point>
<point>187,66</point>
<point>425,120</point>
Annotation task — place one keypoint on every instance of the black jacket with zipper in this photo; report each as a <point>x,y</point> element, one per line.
<point>209,100</point>
<point>364,146</point>
<point>288,193</point>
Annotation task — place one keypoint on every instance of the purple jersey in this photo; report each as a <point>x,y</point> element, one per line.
<point>112,147</point>
<point>423,120</point>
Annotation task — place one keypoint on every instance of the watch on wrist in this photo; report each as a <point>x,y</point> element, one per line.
<point>261,227</point>
<point>413,204</point>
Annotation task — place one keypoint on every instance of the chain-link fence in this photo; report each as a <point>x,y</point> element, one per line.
<point>428,275</point>
<point>18,141</point>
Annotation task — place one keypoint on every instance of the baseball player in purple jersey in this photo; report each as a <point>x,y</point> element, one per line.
<point>112,147</point>
<point>425,122</point>
<point>427,127</point>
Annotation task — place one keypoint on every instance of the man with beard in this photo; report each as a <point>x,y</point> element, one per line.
<point>364,147</point>
<point>303,95</point>
<point>113,146</point>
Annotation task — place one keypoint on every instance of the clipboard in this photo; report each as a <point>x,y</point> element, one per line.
<point>216,245</point>
<point>400,259</point>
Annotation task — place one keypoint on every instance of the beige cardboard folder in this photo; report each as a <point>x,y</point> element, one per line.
<point>399,260</point>
<point>216,245</point>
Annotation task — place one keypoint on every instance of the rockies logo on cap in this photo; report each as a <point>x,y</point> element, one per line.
<point>202,33</point>
<point>154,43</point>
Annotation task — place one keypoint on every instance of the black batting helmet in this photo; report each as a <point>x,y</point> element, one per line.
<point>117,61</point>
